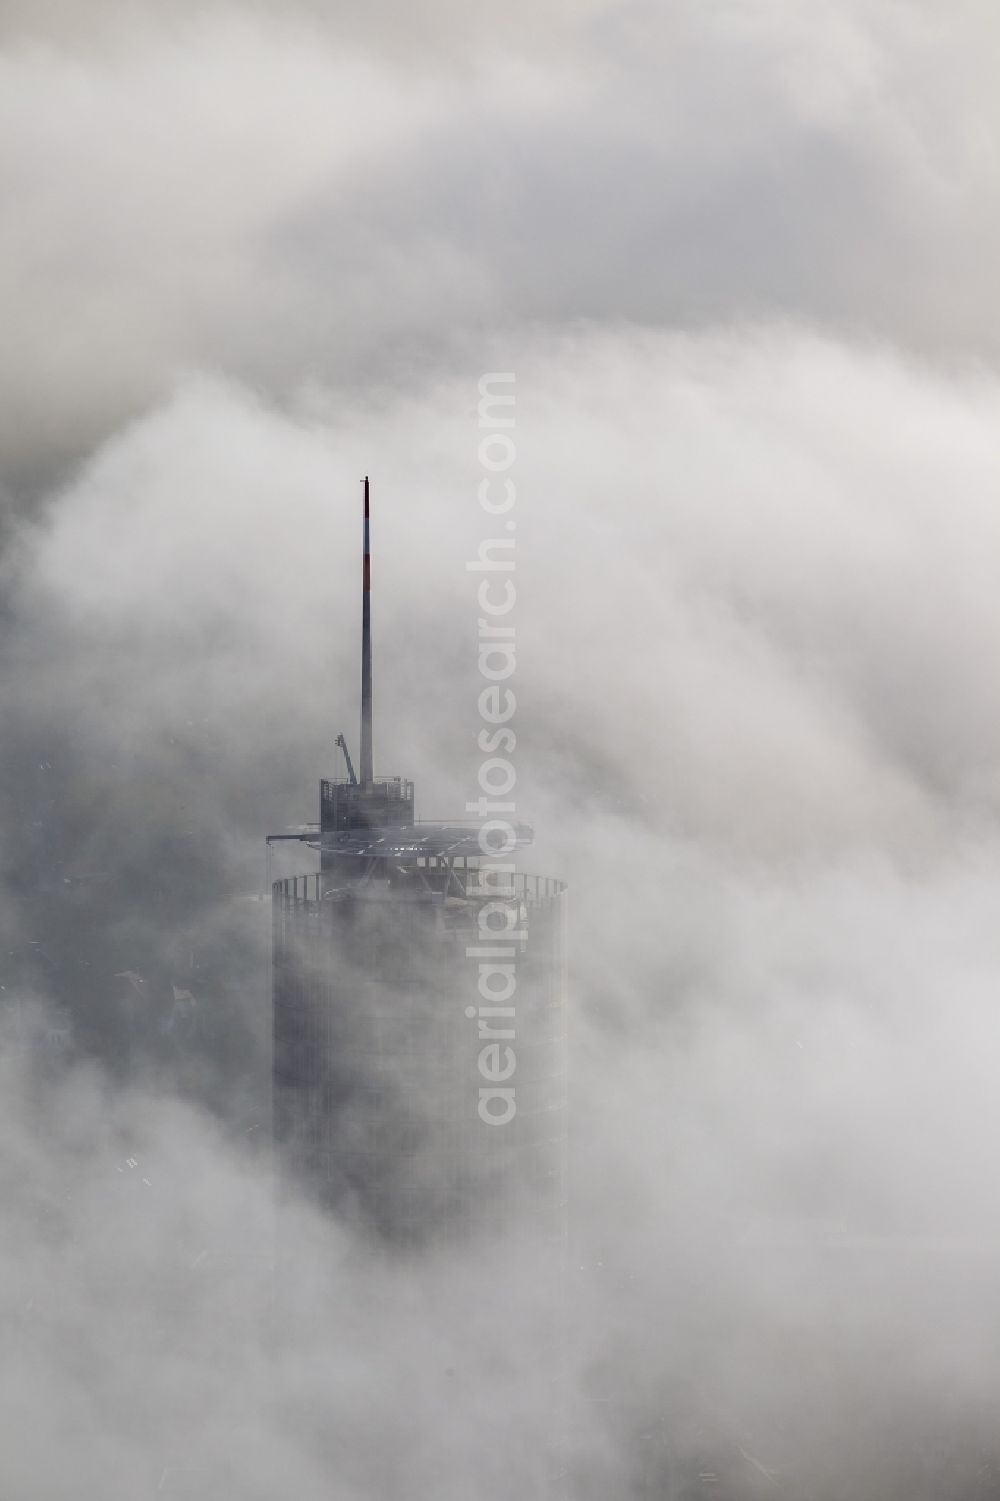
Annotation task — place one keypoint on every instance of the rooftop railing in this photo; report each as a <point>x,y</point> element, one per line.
<point>422,879</point>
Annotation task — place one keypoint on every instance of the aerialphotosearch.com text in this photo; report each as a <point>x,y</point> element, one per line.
<point>496,948</point>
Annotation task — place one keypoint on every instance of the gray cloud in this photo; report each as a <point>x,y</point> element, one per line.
<point>738,260</point>
<point>278,197</point>
<point>749,564</point>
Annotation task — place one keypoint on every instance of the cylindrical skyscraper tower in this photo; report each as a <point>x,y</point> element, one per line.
<point>419,1014</point>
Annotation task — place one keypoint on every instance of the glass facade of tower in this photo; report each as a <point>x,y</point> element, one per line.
<point>419,1056</point>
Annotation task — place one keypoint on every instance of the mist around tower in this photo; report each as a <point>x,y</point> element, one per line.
<point>728,1229</point>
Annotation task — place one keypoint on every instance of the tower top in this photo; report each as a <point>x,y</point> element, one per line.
<point>361,803</point>
<point>362,816</point>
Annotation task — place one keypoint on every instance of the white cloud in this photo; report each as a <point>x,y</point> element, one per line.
<point>757,623</point>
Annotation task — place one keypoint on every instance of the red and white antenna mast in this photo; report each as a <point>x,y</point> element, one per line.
<point>367,770</point>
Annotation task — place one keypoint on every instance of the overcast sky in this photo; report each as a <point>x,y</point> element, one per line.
<point>741,257</point>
